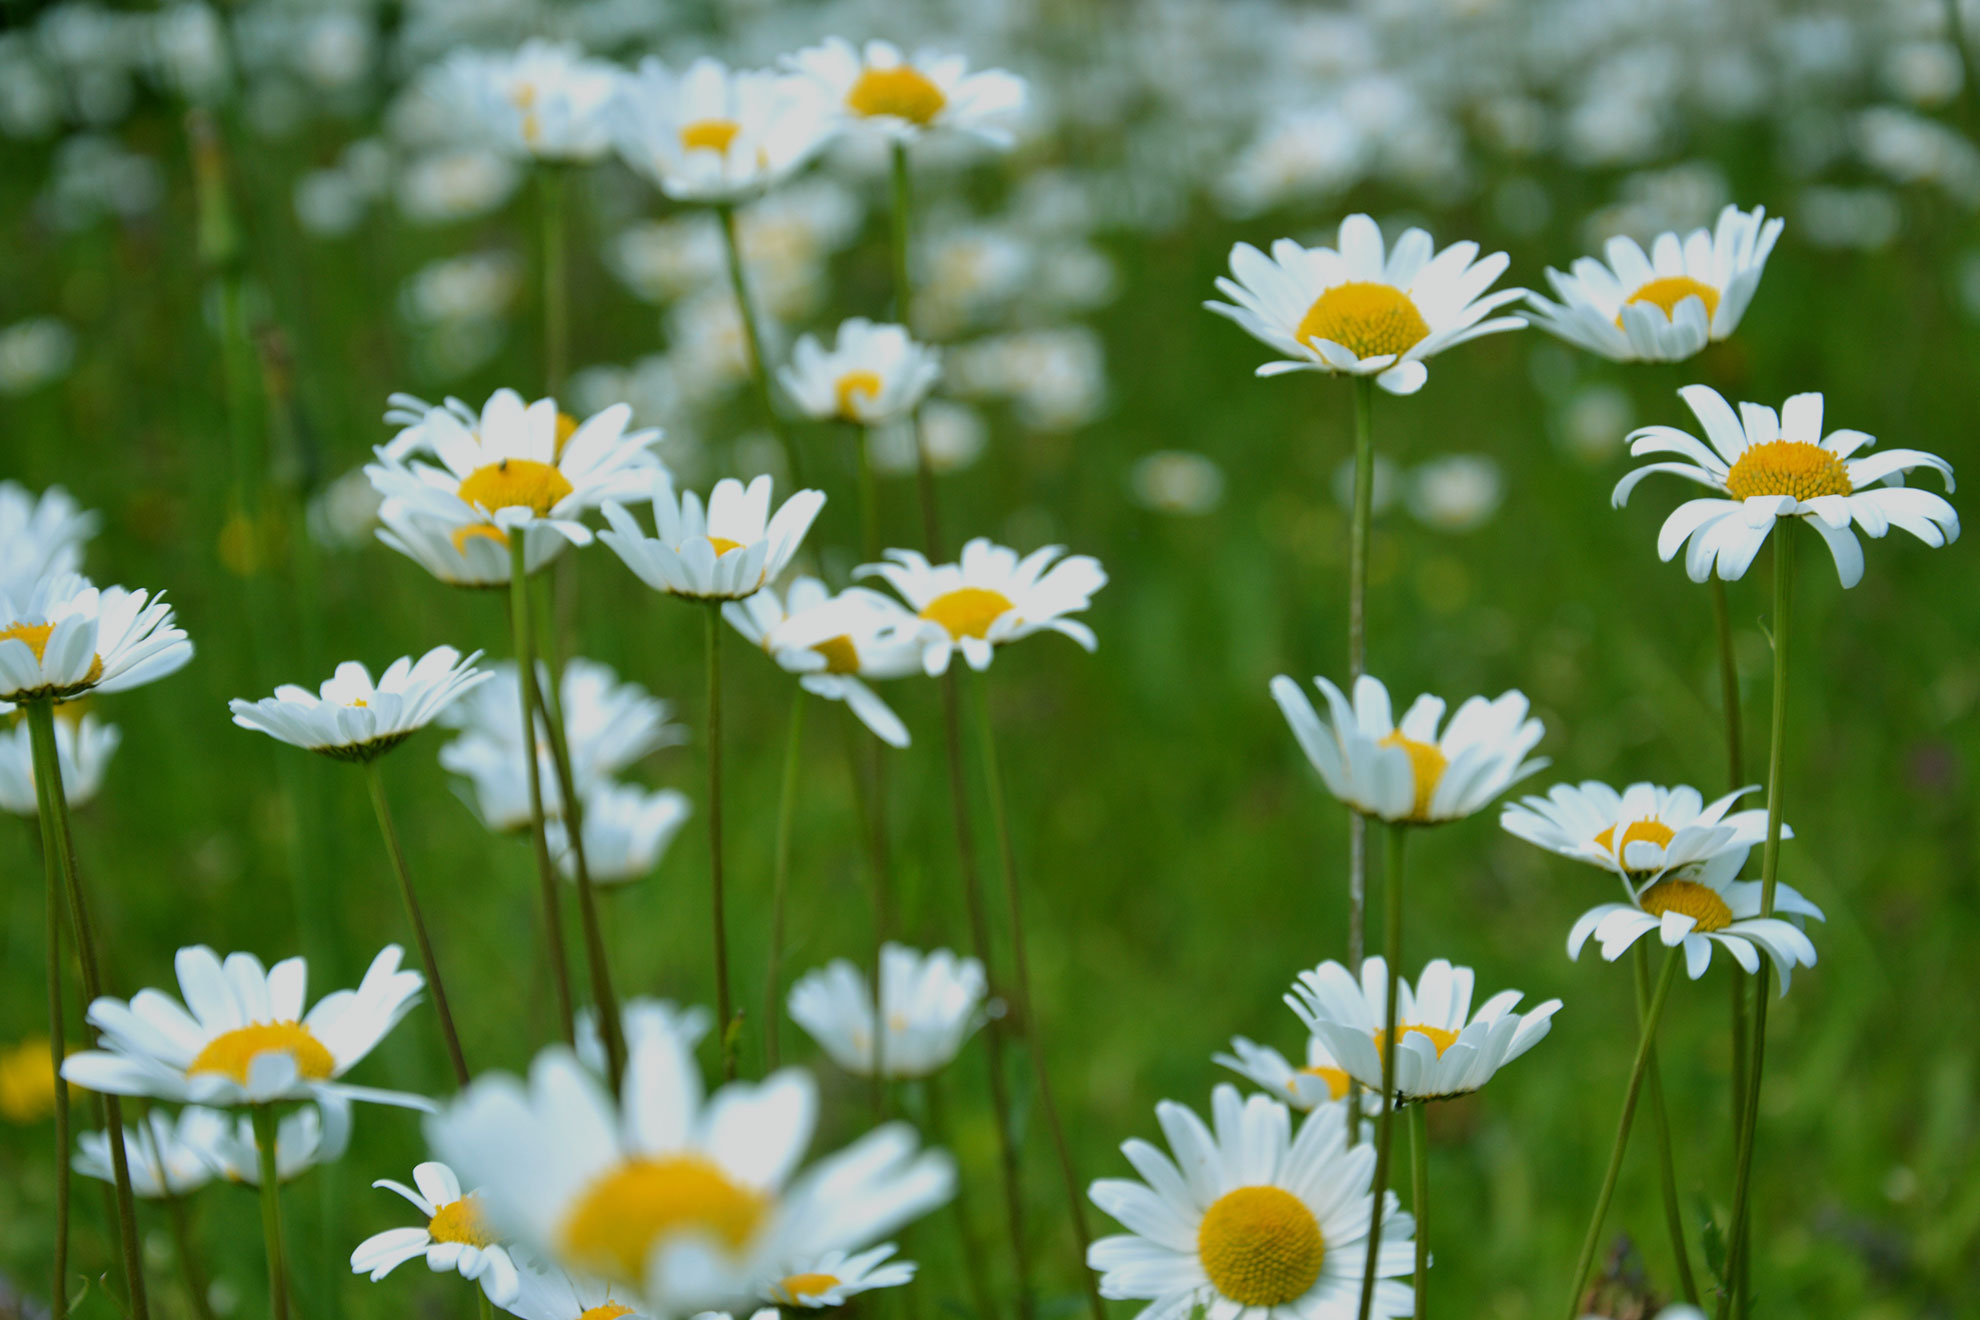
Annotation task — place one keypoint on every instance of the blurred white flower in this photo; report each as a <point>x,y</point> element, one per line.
<point>479,286</point>
<point>83,748</point>
<point>877,86</point>
<point>1455,493</point>
<point>626,831</point>
<point>1176,481</point>
<point>870,375</point>
<point>34,353</point>
<point>543,101</point>
<point>713,134</point>
<point>954,435</point>
<point>455,184</point>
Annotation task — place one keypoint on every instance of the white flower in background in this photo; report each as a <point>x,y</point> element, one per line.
<point>242,1036</point>
<point>1385,483</point>
<point>626,831</point>
<point>715,134</point>
<point>933,1003</point>
<point>641,1016</point>
<point>990,598</point>
<point>1701,908</point>
<point>953,435</point>
<point>460,183</point>
<point>1442,1048</point>
<point>833,643</point>
<point>65,637</point>
<point>1055,379</point>
<point>463,554</point>
<point>873,373</point>
<point>355,719</point>
<point>546,1293</point>
<point>729,552</point>
<point>837,1276</point>
<point>1455,493</point>
<point>41,536</point>
<point>174,1156</point>
<point>1251,1219</point>
<point>876,86</point>
<point>494,781</point>
<point>1767,467</point>
<point>34,353</point>
<point>455,1239</point>
<point>544,101</point>
<point>1408,772</point>
<point>1177,481</point>
<point>1322,1081</point>
<point>83,748</point>
<point>1690,290</point>
<point>1358,310</point>
<point>1642,831</point>
<point>475,289</point>
<point>343,513</point>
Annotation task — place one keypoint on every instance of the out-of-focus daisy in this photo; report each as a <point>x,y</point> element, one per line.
<point>715,134</point>
<point>1767,467</point>
<point>990,598</point>
<point>543,101</point>
<point>730,551</point>
<point>1699,909</point>
<point>952,435</point>
<point>83,748</point>
<point>544,1292</point>
<point>1690,290</point>
<point>626,832</point>
<point>1177,481</point>
<point>41,536</point>
<point>1442,1048</point>
<point>641,1016</point>
<point>455,1239</point>
<point>1358,310</point>
<point>1641,832</point>
<point>833,643</point>
<point>1250,1219</point>
<point>27,1081</point>
<point>835,1277</point>
<point>355,719</point>
<point>168,1155</point>
<point>934,1001</point>
<point>1407,772</point>
<point>610,723</point>
<point>872,374</point>
<point>876,86</point>
<point>494,781</point>
<point>1322,1080</point>
<point>242,1036</point>
<point>462,554</point>
<point>1455,493</point>
<point>65,637</point>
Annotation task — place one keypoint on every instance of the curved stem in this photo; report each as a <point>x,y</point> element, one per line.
<point>556,277</point>
<point>1660,1127</point>
<point>780,882</point>
<point>1419,1203</point>
<point>376,782</point>
<point>724,1018</point>
<point>1358,536</point>
<point>271,1209</point>
<point>58,1293</point>
<point>759,365</point>
<point>546,873</point>
<point>1392,886</point>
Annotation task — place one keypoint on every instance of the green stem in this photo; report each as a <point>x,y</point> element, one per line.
<point>966,1239</point>
<point>375,780</point>
<point>190,1272</point>
<point>1419,1204</point>
<point>759,364</point>
<point>58,1293</point>
<point>1660,1126</point>
<point>871,806</point>
<point>901,236</point>
<point>723,1017</point>
<point>546,873</point>
<point>556,277</point>
<point>1392,890</point>
<point>1735,779</point>
<point>271,1208</point>
<point>1646,1038</point>
<point>1358,537</point>
<point>780,882</point>
<point>869,494</point>
<point>486,1307</point>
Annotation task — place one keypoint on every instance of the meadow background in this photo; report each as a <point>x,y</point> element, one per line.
<point>1182,860</point>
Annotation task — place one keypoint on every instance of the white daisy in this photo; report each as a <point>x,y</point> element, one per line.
<point>543,101</point>
<point>66,637</point>
<point>83,748</point>
<point>463,554</point>
<point>872,374</point>
<point>1322,1081</point>
<point>1767,467</point>
<point>833,643</point>
<point>1442,1048</point>
<point>41,536</point>
<point>494,782</point>
<point>355,719</point>
<point>1407,772</point>
<point>1354,309</point>
<point>715,134</point>
<point>177,1155</point>
<point>990,598</point>
<point>640,1016</point>
<point>626,831</point>
<point>246,1039</point>
<point>1250,1220</point>
<point>729,552</point>
<point>1690,290</point>
<point>878,87</point>
<point>409,413</point>
<point>836,1276</point>
<point>1641,832</point>
<point>934,1002</point>
<point>455,1239</point>
<point>544,1292</point>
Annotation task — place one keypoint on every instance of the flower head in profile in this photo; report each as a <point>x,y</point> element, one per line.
<point>837,1276</point>
<point>931,1003</point>
<point>1765,467</point>
<point>463,554</point>
<point>834,643</point>
<point>355,719</point>
<point>66,637</point>
<point>1408,772</point>
<point>1362,310</point>
<point>1641,832</point>
<point>872,374</point>
<point>710,133</point>
<point>729,551</point>
<point>626,831</point>
<point>544,1292</point>
<point>1321,1081</point>
<point>1251,1218</point>
<point>990,598</point>
<point>455,1239</point>
<point>41,536</point>
<point>1664,306</point>
<point>542,101</point>
<point>84,745</point>
<point>877,87</point>
<point>171,1156</point>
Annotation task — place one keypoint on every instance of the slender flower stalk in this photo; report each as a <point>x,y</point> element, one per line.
<point>759,365</point>
<point>1735,777</point>
<point>271,1209</point>
<point>779,888</point>
<point>58,1293</point>
<point>191,1273</point>
<point>553,919</point>
<point>724,1017</point>
<point>870,803</point>
<point>869,494</point>
<point>1363,517</point>
<point>487,1309</point>
<point>924,473</point>
<point>1660,1126</point>
<point>1419,1168</point>
<point>1392,884</point>
<point>551,188</point>
<point>375,780</point>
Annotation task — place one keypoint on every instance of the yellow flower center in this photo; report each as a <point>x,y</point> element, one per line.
<point>709,134</point>
<point>460,1221</point>
<point>1437,1036</point>
<point>1366,318</point>
<point>609,1311</point>
<point>1699,902</point>
<point>462,535</point>
<point>36,636</point>
<point>1336,1079</point>
<point>516,483</point>
<point>799,1288</point>
<point>1260,1246</point>
<point>1671,290</point>
<point>231,1053</point>
<point>841,656</point>
<point>967,611</point>
<point>902,92</point>
<point>625,1213</point>
<point>1427,763</point>
<point>864,384</point>
<point>1788,467</point>
<point>1637,831</point>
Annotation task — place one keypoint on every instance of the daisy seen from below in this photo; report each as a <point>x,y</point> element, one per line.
<point>41,536</point>
<point>837,1276</point>
<point>876,86</point>
<point>1363,311</point>
<point>354,719</point>
<point>727,551</point>
<point>1766,467</point>
<point>65,637</point>
<point>83,746</point>
<point>1664,306</point>
<point>1407,772</point>
<point>543,101</point>
<point>1701,908</point>
<point>1442,1047</point>
<point>710,133</point>
<point>175,1155</point>
<point>833,643</point>
<point>627,830</point>
<point>990,598</point>
<point>455,1239</point>
<point>463,555</point>
<point>1642,831</point>
<point>872,373</point>
<point>1250,1218</point>
<point>1320,1082</point>
<point>934,1002</point>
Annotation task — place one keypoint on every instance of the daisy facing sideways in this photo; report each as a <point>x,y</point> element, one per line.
<point>170,1155</point>
<point>470,555</point>
<point>870,375</point>
<point>1321,1081</point>
<point>836,1276</point>
<point>1766,467</point>
<point>834,643</point>
<point>355,719</point>
<point>932,1002</point>
<point>83,747</point>
<point>876,86</point>
<point>1361,311</point>
<point>1642,831</point>
<point>730,551</point>
<point>626,831</point>
<point>1249,1218</point>
<point>990,598</point>
<point>710,133</point>
<point>64,637</point>
<point>455,1238</point>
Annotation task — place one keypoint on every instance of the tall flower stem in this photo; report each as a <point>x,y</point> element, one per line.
<point>924,473</point>
<point>870,804</point>
<point>1646,1038</point>
<point>1660,1127</point>
<point>869,494</point>
<point>375,780</point>
<point>546,874</point>
<point>191,1273</point>
<point>552,185</point>
<point>1735,779</point>
<point>1358,536</point>
<point>759,365</point>
<point>724,1021</point>
<point>780,884</point>
<point>54,805</point>
<point>966,1239</point>
<point>58,1293</point>
<point>1392,887</point>
<point>271,1209</point>
<point>1419,1201</point>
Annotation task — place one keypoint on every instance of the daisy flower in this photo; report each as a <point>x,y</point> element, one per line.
<point>934,1001</point>
<point>626,831</point>
<point>610,723</point>
<point>1766,467</point>
<point>41,536</point>
<point>715,134</point>
<point>836,1276</point>
<point>1690,290</point>
<point>83,748</point>
<point>1320,1082</point>
<point>1442,1048</point>
<point>455,1239</point>
<point>242,1036</point>
<point>66,637</point>
<point>174,1156</point>
<point>872,374</point>
<point>1357,310</point>
<point>991,598</point>
<point>355,719</point>
<point>1407,772</point>
<point>878,87</point>
<point>1703,908</point>
<point>544,101</point>
<point>462,554</point>
<point>641,1016</point>
<point>546,1293</point>
<point>728,552</point>
<point>1250,1219</point>
<point>1641,832</point>
<point>833,643</point>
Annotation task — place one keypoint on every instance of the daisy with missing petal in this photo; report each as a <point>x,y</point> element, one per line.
<point>715,134</point>
<point>990,598</point>
<point>543,101</point>
<point>1690,290</point>
<point>355,719</point>
<point>83,747</point>
<point>1442,1047</point>
<point>66,637</point>
<point>1641,832</point>
<point>1250,1219</point>
<point>1407,772</point>
<point>834,643</point>
<point>41,536</point>
<point>835,1277</point>
<point>1704,908</point>
<point>872,374</point>
<point>934,1002</point>
<point>1766,467</point>
<point>455,1239</point>
<point>1320,1082</point>
<point>1359,310</point>
<point>878,87</point>
<point>626,832</point>
<point>729,552</point>
<point>463,555</point>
